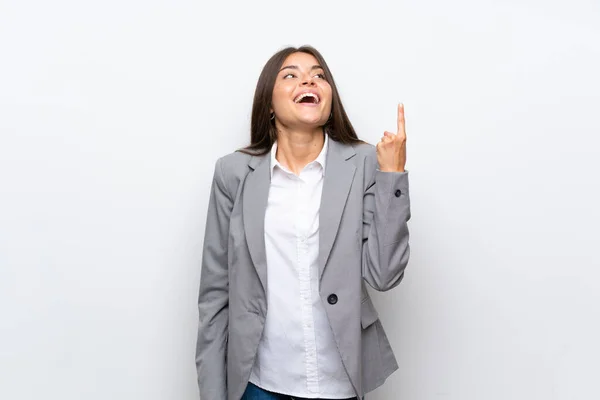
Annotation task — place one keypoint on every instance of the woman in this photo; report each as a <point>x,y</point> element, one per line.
<point>297,223</point>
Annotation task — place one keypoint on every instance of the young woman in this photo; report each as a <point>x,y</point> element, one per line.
<point>297,222</point>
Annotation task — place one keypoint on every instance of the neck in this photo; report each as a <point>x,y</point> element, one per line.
<point>298,147</point>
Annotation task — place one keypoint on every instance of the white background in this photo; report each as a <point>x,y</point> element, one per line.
<point>113,113</point>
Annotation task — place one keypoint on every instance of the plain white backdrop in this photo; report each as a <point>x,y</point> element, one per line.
<point>113,113</point>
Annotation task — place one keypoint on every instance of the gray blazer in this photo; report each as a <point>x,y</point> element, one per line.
<point>363,236</point>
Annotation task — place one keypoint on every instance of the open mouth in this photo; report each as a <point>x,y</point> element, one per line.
<point>307,98</point>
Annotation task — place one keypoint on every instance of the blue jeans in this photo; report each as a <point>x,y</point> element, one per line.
<point>253,392</point>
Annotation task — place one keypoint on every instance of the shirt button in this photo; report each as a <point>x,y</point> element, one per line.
<point>398,193</point>
<point>332,299</point>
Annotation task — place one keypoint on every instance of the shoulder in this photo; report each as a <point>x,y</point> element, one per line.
<point>365,160</point>
<point>359,150</point>
<point>366,157</point>
<point>361,155</point>
<point>365,150</point>
<point>234,163</point>
<point>232,168</point>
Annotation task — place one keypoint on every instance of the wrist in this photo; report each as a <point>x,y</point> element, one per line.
<point>392,169</point>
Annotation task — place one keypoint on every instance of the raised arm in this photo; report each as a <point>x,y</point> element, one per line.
<point>386,211</point>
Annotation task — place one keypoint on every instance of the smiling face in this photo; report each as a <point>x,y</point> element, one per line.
<point>301,95</point>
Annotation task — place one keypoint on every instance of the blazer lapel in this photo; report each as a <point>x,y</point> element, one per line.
<point>339,174</point>
<point>255,198</point>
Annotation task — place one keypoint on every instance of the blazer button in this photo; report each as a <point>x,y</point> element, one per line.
<point>332,299</point>
<point>398,193</point>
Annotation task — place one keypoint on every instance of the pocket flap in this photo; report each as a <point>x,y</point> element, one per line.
<point>368,313</point>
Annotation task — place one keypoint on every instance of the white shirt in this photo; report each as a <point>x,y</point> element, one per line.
<point>297,354</point>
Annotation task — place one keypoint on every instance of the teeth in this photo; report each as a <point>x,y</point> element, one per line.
<point>303,95</point>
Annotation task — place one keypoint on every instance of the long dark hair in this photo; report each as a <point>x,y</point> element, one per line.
<point>263,132</point>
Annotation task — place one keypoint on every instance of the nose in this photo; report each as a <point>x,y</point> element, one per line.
<point>308,81</point>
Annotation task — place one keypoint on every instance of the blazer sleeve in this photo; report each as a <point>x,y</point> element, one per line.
<point>386,211</point>
<point>213,299</point>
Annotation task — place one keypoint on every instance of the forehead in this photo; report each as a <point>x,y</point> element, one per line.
<point>301,60</point>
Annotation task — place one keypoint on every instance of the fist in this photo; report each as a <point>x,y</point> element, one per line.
<point>391,150</point>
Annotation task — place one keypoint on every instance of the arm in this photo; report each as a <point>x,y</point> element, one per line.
<point>386,211</point>
<point>213,300</point>
<point>385,244</point>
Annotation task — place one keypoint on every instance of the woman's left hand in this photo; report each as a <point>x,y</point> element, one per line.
<point>391,150</point>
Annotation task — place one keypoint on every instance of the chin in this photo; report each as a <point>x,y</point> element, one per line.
<point>315,121</point>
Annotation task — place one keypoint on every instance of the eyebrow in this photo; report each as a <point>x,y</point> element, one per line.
<point>296,67</point>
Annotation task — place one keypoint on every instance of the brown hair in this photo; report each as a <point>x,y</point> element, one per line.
<point>262,129</point>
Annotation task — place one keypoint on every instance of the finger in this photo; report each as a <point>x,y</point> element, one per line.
<point>401,125</point>
<point>386,133</point>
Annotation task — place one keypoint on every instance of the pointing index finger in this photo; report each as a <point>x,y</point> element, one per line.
<point>401,127</point>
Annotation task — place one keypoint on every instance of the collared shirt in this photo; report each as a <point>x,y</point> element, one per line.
<point>297,354</point>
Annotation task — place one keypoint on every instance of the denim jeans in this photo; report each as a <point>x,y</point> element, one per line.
<point>253,392</point>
